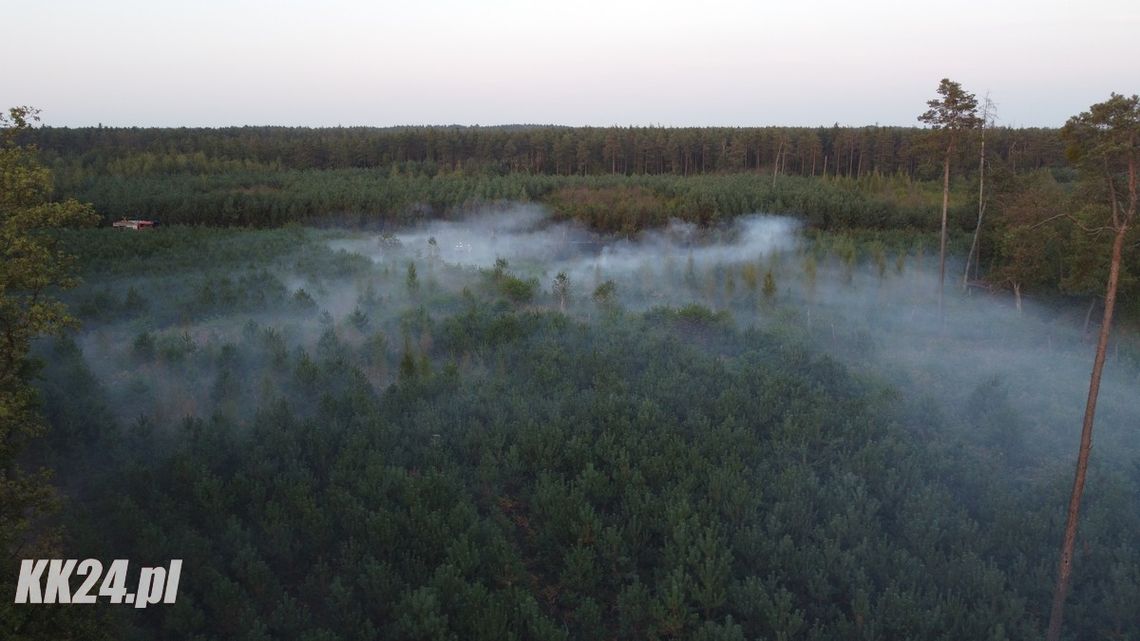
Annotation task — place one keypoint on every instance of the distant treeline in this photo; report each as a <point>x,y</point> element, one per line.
<point>621,204</point>
<point>546,150</point>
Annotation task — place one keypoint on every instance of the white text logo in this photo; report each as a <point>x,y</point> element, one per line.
<point>49,581</point>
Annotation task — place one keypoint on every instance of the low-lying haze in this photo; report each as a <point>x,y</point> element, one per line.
<point>870,306</point>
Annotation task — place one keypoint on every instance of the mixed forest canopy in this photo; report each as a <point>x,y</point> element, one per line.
<point>621,180</point>
<point>586,383</point>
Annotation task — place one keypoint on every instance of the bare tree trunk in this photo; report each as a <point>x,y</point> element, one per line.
<point>974,247</point>
<point>945,207</point>
<point>981,195</point>
<point>776,166</point>
<point>1065,568</point>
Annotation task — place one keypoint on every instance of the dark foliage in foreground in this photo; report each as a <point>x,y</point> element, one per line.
<point>655,476</point>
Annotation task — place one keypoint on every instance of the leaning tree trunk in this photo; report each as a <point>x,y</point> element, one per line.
<point>981,209</point>
<point>1065,568</point>
<point>945,207</point>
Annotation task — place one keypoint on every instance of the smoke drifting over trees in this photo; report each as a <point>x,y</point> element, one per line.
<point>708,418</point>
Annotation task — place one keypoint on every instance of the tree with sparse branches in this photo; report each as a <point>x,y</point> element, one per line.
<point>985,121</point>
<point>1105,143</point>
<point>562,289</point>
<point>954,111</point>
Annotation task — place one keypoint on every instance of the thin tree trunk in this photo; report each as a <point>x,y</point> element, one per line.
<point>945,207</point>
<point>776,166</point>
<point>1065,568</point>
<point>978,265</point>
<point>981,204</point>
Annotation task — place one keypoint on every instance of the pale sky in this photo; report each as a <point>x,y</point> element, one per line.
<point>588,62</point>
